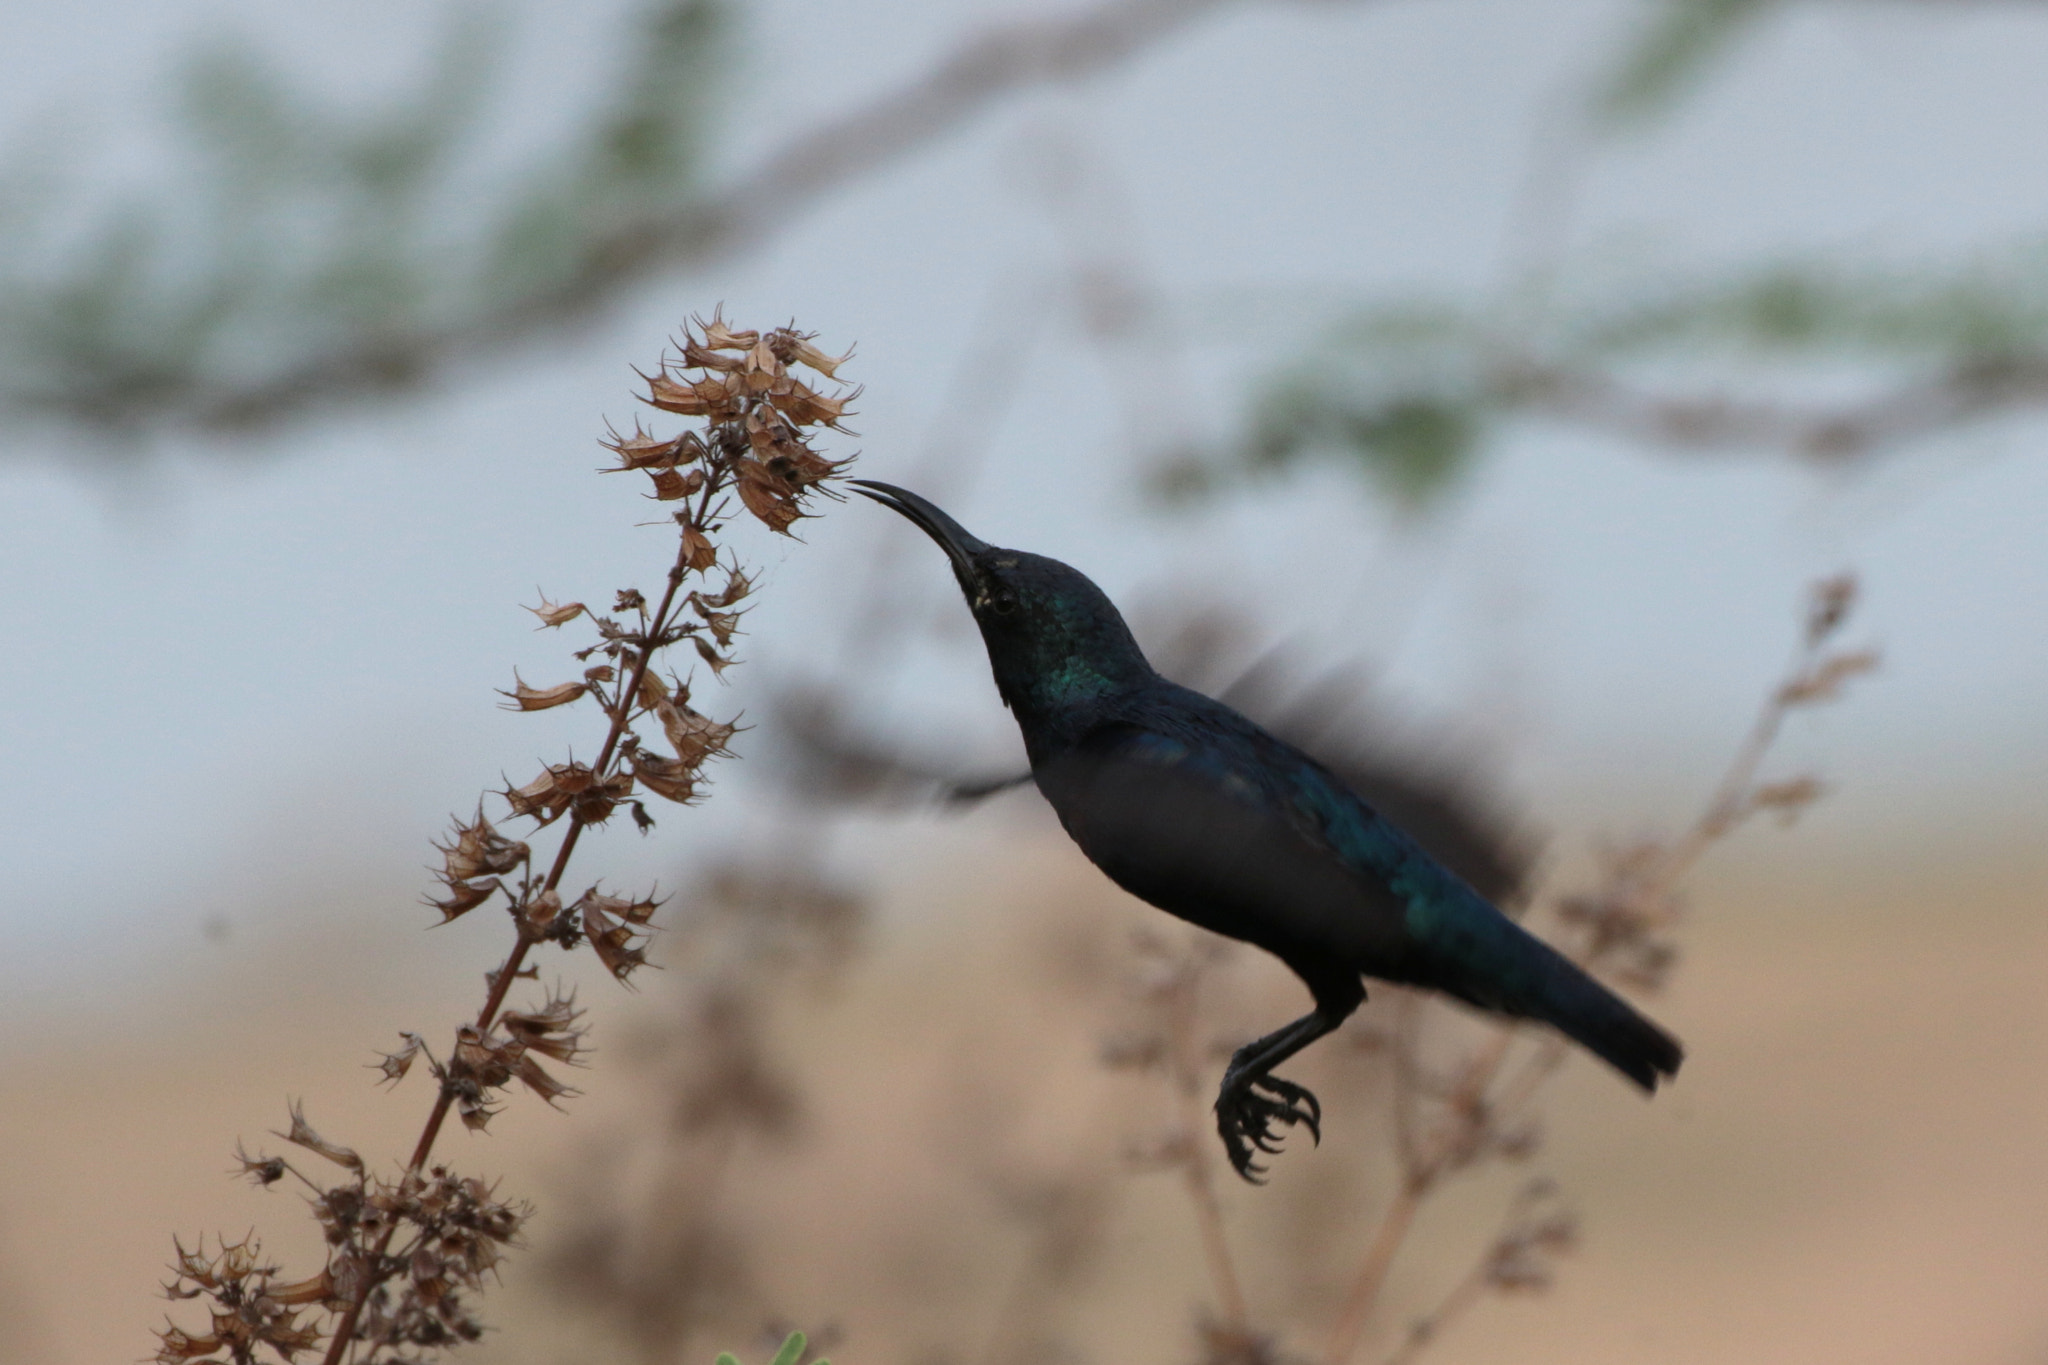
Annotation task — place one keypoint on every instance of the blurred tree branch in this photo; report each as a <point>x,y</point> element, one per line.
<point>123,335</point>
<point>1679,40</point>
<point>1804,359</point>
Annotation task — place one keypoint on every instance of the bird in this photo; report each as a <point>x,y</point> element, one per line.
<point>1191,807</point>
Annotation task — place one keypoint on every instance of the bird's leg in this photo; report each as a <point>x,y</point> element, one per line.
<point>1253,1101</point>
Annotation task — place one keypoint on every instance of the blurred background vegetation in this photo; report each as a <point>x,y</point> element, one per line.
<point>300,342</point>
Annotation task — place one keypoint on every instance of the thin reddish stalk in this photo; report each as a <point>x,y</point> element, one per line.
<point>501,982</point>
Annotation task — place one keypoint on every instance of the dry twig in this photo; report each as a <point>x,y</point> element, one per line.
<point>404,1250</point>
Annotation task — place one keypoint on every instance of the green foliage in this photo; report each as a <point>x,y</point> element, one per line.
<point>1410,394</point>
<point>310,249</point>
<point>1396,391</point>
<point>1412,444</point>
<point>1990,309</point>
<point>1670,52</point>
<point>792,1353</point>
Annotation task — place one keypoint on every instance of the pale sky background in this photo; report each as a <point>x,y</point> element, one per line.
<point>240,669</point>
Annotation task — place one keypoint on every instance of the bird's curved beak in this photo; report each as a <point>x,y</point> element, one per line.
<point>960,547</point>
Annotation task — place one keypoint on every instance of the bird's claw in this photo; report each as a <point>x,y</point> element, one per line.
<point>1252,1110</point>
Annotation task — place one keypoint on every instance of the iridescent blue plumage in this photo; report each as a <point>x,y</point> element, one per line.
<point>1190,806</point>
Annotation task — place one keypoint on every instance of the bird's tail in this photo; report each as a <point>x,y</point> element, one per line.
<point>1604,1024</point>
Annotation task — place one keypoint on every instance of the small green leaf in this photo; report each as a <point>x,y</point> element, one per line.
<point>792,1350</point>
<point>1671,52</point>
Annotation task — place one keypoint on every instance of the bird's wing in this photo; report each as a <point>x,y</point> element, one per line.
<point>1198,825</point>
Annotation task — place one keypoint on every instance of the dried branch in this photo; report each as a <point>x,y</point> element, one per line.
<point>1819,433</point>
<point>1481,1113</point>
<point>403,1250</point>
<point>623,252</point>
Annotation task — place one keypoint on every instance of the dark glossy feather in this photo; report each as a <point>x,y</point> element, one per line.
<point>1190,806</point>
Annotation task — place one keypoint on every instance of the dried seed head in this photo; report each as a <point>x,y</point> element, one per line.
<point>478,848</point>
<point>526,698</point>
<point>556,614</point>
<point>1788,798</point>
<point>695,737</point>
<point>671,395</point>
<point>1824,681</point>
<point>463,897</point>
<point>611,932</point>
<point>303,1135</point>
<point>708,652</point>
<point>666,777</point>
<point>794,348</point>
<point>1832,601</point>
<point>552,1030</point>
<point>394,1065</point>
<point>540,911</point>
<point>737,586</point>
<point>719,337</point>
<point>260,1170</point>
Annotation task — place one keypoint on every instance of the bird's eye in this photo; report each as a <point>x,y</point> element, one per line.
<point>1003,600</point>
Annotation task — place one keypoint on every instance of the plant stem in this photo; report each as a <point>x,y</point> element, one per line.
<point>1372,1272</point>
<point>501,983</point>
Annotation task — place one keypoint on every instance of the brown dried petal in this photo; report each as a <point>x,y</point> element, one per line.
<point>611,942</point>
<point>669,485</point>
<point>540,911</point>
<point>653,691</point>
<point>762,368</point>
<point>479,848</point>
<point>717,336</point>
<point>665,776</point>
<point>642,450</point>
<point>556,614</point>
<point>526,698</point>
<point>485,1058</point>
<point>710,655</point>
<point>737,586</point>
<point>303,1135</point>
<point>723,625</point>
<point>778,512</point>
<point>708,358</point>
<point>827,365</point>
<point>808,408</point>
<point>1832,600</point>
<point>318,1289</point>
<point>535,1077</point>
<point>550,1030</point>
<point>671,396</point>
<point>284,1335</point>
<point>464,897</point>
<point>396,1064</point>
<point>1824,683</point>
<point>1789,795</point>
<point>260,1170</point>
<point>694,735</point>
<point>180,1345</point>
<point>698,551</point>
<point>538,799</point>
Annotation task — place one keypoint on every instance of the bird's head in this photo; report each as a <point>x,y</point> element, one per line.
<point>1053,637</point>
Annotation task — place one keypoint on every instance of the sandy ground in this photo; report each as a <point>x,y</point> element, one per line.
<point>1850,1168</point>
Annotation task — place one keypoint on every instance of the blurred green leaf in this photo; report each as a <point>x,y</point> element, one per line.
<point>1671,51</point>
<point>792,1353</point>
<point>312,247</point>
<point>1413,445</point>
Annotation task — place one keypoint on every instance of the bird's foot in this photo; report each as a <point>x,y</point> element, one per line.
<point>1252,1109</point>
